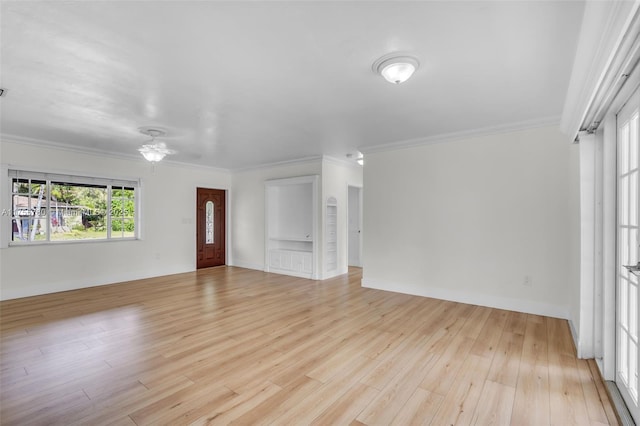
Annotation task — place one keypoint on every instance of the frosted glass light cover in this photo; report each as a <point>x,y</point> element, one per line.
<point>152,156</point>
<point>396,68</point>
<point>153,153</point>
<point>398,73</point>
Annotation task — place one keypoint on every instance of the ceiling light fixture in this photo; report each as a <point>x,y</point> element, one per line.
<point>396,68</point>
<point>154,151</point>
<point>358,157</point>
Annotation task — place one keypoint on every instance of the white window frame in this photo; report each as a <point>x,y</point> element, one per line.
<point>6,191</point>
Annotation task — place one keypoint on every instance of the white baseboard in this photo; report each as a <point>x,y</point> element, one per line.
<point>247,265</point>
<point>68,285</point>
<point>333,274</point>
<point>488,300</point>
<point>574,336</point>
<point>583,351</point>
<point>291,273</point>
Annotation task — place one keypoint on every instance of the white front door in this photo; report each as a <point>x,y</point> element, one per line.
<point>354,211</point>
<point>627,365</point>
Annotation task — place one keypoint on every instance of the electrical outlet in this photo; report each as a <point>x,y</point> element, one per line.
<point>528,281</point>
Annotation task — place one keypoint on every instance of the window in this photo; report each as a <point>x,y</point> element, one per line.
<point>209,222</point>
<point>50,207</point>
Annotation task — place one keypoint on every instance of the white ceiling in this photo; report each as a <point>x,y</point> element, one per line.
<point>239,84</point>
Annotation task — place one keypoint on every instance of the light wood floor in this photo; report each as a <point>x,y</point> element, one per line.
<point>232,345</point>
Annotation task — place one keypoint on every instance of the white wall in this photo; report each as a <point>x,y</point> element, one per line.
<point>168,225</point>
<point>248,210</point>
<point>336,177</point>
<point>468,220</point>
<point>168,221</point>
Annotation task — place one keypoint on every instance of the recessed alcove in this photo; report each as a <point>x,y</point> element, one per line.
<point>291,226</point>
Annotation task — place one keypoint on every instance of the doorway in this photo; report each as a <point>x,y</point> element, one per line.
<point>210,227</point>
<point>354,221</point>
<point>628,211</point>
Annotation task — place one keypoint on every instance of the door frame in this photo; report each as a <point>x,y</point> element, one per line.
<point>606,318</point>
<point>631,405</point>
<point>360,202</point>
<point>604,313</point>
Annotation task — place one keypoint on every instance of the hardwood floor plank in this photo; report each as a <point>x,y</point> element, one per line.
<point>419,409</point>
<point>495,404</point>
<point>490,334</point>
<point>231,345</point>
<point>182,404</point>
<point>390,400</point>
<point>384,408</point>
<point>395,362</point>
<point>313,405</point>
<point>43,410</point>
<point>475,322</point>
<point>531,404</point>
<point>516,323</point>
<point>347,407</point>
<point>122,421</point>
<point>568,404</point>
<point>595,411</point>
<point>271,366</point>
<point>230,359</point>
<point>302,365</point>
<point>603,394</point>
<point>444,372</point>
<point>51,381</point>
<point>10,375</point>
<point>354,348</point>
<point>236,407</point>
<point>507,358</point>
<point>107,407</point>
<point>460,402</point>
<point>280,403</point>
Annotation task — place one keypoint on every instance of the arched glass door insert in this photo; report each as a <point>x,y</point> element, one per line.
<point>209,222</point>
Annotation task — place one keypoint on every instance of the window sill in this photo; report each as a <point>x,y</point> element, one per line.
<point>66,242</point>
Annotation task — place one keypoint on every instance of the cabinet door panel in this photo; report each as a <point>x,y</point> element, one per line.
<point>307,263</point>
<point>274,259</point>
<point>285,260</point>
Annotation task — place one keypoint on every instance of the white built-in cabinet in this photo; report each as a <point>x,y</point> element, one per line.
<point>291,226</point>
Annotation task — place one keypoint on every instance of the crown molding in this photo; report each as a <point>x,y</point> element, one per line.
<point>409,143</point>
<point>341,162</point>
<point>41,143</point>
<point>606,40</point>
<point>295,162</point>
<point>466,134</point>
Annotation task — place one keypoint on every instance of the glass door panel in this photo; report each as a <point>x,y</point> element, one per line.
<point>628,121</point>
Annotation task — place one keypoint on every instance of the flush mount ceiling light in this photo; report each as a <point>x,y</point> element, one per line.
<point>154,151</point>
<point>396,68</point>
<point>358,157</point>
